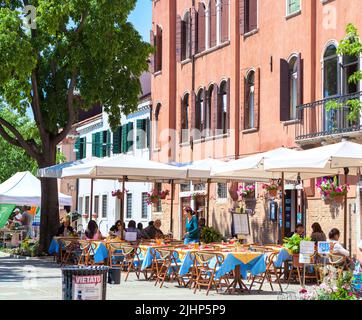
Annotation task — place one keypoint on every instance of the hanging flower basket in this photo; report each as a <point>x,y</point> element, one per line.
<point>119,194</point>
<point>246,192</point>
<point>271,189</point>
<point>164,194</point>
<point>331,192</point>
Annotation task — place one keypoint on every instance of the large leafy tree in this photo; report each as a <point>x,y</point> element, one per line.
<point>80,52</point>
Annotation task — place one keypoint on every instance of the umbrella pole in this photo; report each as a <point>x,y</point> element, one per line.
<point>91,200</point>
<point>208,203</point>
<point>346,172</point>
<point>283,208</point>
<point>171,214</point>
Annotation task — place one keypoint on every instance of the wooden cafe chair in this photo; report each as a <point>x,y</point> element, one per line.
<point>271,273</point>
<point>167,266</point>
<point>205,274</point>
<point>67,249</point>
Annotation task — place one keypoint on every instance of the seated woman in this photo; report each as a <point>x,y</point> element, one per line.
<point>117,230</point>
<point>317,234</point>
<point>336,247</point>
<point>92,232</point>
<point>132,228</point>
<point>65,229</point>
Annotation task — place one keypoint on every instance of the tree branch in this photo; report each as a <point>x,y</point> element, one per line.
<point>19,140</point>
<point>70,106</point>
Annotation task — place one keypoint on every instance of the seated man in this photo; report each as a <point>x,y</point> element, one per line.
<point>336,247</point>
<point>153,230</point>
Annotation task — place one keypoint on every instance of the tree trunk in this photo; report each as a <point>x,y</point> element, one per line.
<point>49,221</point>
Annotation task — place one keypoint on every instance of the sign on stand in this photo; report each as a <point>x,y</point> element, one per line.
<point>305,254</point>
<point>324,247</point>
<point>87,287</point>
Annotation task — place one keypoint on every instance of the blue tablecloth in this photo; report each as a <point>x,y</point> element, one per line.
<point>186,264</point>
<point>255,266</point>
<point>54,247</point>
<point>282,256</point>
<point>101,253</point>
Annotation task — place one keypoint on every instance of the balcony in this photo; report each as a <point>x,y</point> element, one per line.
<point>316,124</point>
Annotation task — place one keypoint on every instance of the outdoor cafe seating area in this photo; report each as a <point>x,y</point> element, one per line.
<point>226,267</point>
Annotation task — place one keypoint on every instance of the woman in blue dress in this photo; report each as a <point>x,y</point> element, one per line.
<point>192,227</point>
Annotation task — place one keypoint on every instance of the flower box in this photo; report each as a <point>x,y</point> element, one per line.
<point>273,193</point>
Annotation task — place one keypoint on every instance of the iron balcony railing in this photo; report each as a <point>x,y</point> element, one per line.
<point>315,121</point>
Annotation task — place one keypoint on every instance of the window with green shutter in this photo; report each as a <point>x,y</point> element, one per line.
<point>117,138</point>
<point>96,144</point>
<point>108,142</point>
<point>77,148</point>
<point>129,136</point>
<point>83,147</point>
<point>148,132</point>
<point>141,133</point>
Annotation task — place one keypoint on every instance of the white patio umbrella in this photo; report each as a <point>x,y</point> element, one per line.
<point>252,167</point>
<point>125,168</point>
<point>344,157</point>
<point>56,171</point>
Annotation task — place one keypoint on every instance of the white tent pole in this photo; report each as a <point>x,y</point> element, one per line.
<point>283,208</point>
<point>91,201</point>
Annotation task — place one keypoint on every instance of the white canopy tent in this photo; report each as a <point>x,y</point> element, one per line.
<point>328,160</point>
<point>125,166</point>
<point>56,171</point>
<point>340,158</point>
<point>25,189</point>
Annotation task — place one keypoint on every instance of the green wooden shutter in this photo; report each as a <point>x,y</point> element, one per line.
<point>108,147</point>
<point>124,138</point>
<point>77,148</point>
<point>84,142</point>
<point>117,141</point>
<point>141,133</point>
<point>129,136</point>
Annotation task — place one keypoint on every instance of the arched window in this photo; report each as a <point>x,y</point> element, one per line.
<point>249,114</point>
<point>223,112</point>
<point>201,28</point>
<point>186,37</point>
<point>185,118</point>
<point>199,113</point>
<point>330,72</point>
<point>208,109</point>
<point>157,118</point>
<point>293,86</point>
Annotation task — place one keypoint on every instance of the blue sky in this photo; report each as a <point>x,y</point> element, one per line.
<point>141,18</point>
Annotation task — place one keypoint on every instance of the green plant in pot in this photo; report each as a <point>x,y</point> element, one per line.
<point>293,245</point>
<point>210,234</point>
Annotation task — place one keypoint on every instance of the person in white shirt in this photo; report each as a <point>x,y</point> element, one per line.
<point>337,248</point>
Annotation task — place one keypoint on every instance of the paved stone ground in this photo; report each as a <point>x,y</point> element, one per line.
<point>40,279</point>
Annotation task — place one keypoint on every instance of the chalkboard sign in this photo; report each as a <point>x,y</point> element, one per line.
<point>241,224</point>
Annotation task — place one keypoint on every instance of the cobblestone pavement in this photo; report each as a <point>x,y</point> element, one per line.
<point>40,279</point>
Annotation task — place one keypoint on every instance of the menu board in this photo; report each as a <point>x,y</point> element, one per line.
<point>241,224</point>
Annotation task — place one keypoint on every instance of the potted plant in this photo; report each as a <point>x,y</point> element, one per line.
<point>152,197</point>
<point>293,245</point>
<point>247,191</point>
<point>271,189</point>
<point>119,194</point>
<point>210,235</point>
<point>331,191</point>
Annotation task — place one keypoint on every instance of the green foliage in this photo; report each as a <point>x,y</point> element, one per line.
<point>88,39</point>
<point>293,243</point>
<point>28,247</point>
<point>13,159</point>
<point>349,46</point>
<point>210,234</point>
